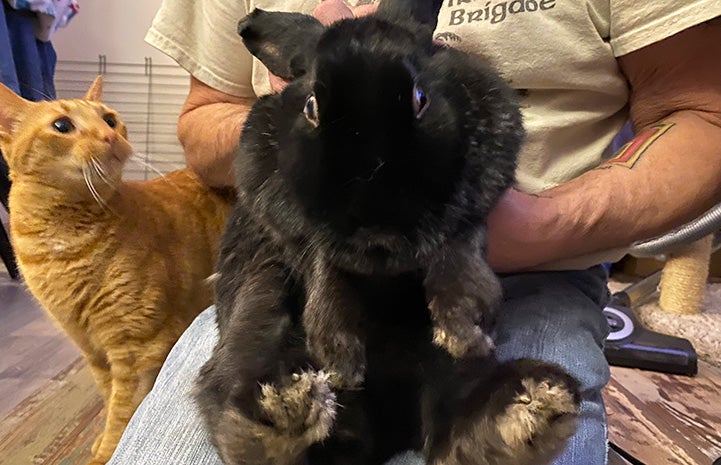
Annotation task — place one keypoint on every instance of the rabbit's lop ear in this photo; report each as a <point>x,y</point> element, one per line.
<point>284,42</point>
<point>421,11</point>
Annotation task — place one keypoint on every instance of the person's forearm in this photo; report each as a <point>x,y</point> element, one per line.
<point>663,179</point>
<point>209,129</point>
<point>662,184</point>
<point>210,135</point>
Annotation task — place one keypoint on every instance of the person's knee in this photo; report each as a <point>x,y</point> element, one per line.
<point>557,318</point>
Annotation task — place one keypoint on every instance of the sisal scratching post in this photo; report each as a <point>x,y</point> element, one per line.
<point>684,278</point>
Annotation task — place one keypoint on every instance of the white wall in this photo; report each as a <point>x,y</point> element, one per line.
<point>112,28</point>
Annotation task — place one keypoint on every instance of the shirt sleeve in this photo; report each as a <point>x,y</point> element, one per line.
<point>636,24</point>
<point>201,36</point>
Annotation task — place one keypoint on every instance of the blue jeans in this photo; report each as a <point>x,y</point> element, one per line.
<point>553,316</point>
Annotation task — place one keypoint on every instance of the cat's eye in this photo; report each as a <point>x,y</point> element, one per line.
<point>420,101</point>
<point>110,120</point>
<point>63,125</point>
<point>310,110</point>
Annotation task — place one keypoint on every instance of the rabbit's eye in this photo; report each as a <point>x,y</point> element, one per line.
<point>311,110</point>
<point>420,101</point>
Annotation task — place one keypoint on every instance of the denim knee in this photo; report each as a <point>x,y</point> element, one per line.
<point>557,317</point>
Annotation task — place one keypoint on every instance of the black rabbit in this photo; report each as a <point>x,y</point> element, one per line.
<point>354,304</point>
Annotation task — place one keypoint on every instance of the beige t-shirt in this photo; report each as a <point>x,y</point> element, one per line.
<point>560,54</point>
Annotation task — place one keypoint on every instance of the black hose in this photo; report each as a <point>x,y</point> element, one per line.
<point>706,224</point>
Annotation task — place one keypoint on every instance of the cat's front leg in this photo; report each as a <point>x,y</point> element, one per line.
<point>332,320</point>
<point>122,402</point>
<point>463,295</point>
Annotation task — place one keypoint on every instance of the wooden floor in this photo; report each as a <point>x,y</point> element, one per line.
<point>654,419</point>
<point>33,349</point>
<point>663,419</point>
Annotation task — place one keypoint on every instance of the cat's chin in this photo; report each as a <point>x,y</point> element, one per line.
<point>115,161</point>
<point>119,154</point>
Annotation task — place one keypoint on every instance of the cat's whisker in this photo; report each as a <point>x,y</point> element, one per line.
<point>137,158</point>
<point>97,167</point>
<point>154,157</point>
<point>91,187</point>
<point>93,190</point>
<point>42,93</point>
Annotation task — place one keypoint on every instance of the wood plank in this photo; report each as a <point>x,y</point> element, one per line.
<point>17,307</point>
<point>62,419</point>
<point>31,366</point>
<point>663,419</point>
<point>34,349</point>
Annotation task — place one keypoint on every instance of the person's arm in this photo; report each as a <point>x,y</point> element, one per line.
<point>211,121</point>
<point>209,129</point>
<point>672,176</point>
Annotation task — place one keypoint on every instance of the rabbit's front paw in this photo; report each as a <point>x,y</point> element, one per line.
<point>305,407</point>
<point>458,326</point>
<point>463,298</point>
<point>464,341</point>
<point>543,412</point>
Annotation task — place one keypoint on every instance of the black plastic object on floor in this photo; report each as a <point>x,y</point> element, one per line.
<point>631,344</point>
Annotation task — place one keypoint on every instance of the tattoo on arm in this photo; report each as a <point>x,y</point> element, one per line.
<point>630,153</point>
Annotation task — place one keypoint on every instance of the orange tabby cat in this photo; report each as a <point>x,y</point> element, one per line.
<point>121,266</point>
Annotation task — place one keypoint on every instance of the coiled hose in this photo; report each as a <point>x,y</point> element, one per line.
<point>706,224</point>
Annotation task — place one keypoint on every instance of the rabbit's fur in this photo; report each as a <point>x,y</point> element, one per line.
<point>353,301</point>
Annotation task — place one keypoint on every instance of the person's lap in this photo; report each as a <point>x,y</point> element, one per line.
<point>555,317</point>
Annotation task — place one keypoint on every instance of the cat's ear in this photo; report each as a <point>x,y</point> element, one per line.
<point>95,93</point>
<point>11,105</point>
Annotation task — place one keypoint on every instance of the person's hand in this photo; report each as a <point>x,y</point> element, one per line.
<point>277,83</point>
<point>328,12</point>
<point>519,236</point>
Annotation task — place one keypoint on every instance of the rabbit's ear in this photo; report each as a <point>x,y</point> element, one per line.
<point>284,42</point>
<point>421,11</point>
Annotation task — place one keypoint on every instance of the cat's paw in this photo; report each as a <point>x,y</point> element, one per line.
<point>543,412</point>
<point>305,407</point>
<point>96,443</point>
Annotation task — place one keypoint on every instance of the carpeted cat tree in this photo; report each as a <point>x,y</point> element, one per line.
<point>688,306</point>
